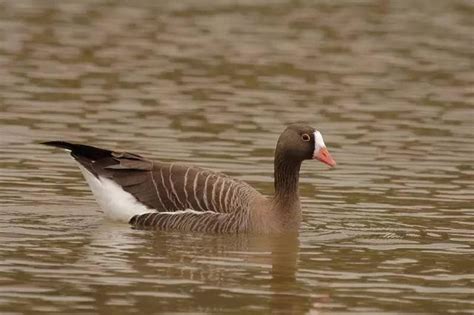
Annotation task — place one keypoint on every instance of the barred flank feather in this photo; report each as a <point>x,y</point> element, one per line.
<point>193,221</point>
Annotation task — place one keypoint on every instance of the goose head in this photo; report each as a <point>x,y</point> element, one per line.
<point>300,142</point>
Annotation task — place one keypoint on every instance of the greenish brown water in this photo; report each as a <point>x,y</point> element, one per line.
<point>389,84</point>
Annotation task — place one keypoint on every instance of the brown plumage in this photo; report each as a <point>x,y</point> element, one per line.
<point>172,196</point>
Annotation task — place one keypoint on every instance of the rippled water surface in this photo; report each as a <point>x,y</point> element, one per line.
<point>389,83</point>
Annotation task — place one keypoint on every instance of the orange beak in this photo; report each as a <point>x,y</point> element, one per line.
<point>324,156</point>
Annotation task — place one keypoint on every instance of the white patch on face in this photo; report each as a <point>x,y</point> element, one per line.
<point>318,142</point>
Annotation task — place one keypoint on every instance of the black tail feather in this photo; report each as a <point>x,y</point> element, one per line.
<point>80,150</point>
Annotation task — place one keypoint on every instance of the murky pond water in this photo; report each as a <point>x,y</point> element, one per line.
<point>389,83</point>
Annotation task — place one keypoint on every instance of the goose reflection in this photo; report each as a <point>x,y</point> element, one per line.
<point>153,271</point>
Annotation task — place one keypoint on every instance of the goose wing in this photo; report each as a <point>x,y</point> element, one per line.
<point>165,187</point>
<point>173,187</point>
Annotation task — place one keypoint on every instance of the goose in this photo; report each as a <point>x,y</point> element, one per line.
<point>172,196</point>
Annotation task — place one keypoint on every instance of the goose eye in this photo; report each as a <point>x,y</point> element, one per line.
<point>305,137</point>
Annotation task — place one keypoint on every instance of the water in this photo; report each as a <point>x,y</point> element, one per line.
<point>388,83</point>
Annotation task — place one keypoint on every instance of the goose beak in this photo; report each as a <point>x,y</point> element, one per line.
<point>324,156</point>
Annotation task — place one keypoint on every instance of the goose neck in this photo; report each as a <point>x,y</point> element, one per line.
<point>286,181</point>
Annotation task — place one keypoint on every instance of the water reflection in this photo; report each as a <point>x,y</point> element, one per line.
<point>161,265</point>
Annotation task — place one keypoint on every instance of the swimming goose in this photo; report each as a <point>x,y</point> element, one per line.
<point>171,196</point>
